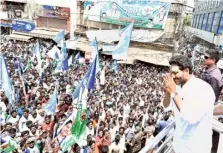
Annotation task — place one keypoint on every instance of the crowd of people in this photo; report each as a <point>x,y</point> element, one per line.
<point>124,111</point>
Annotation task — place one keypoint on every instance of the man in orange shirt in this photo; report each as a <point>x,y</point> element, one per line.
<point>48,125</point>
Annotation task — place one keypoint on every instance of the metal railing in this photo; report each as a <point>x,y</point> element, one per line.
<point>154,142</point>
<point>166,146</point>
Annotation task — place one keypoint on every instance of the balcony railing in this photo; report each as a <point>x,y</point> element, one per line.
<point>166,146</point>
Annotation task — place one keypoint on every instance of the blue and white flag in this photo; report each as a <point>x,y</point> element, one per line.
<point>94,52</point>
<point>37,51</point>
<point>59,36</point>
<point>17,96</point>
<point>88,81</point>
<point>57,56</point>
<point>121,50</point>
<point>115,64</point>
<point>38,55</point>
<point>50,107</point>
<point>18,65</point>
<point>21,71</point>
<point>64,57</point>
<point>5,81</point>
<point>53,53</point>
<point>76,59</point>
<point>70,61</point>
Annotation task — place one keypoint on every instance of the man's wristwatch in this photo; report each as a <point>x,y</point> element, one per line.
<point>172,95</point>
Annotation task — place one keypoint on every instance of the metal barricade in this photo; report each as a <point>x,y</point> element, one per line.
<point>166,146</point>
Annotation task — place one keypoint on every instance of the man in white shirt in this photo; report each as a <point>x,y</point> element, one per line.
<point>25,117</point>
<point>13,118</point>
<point>193,107</point>
<point>90,129</point>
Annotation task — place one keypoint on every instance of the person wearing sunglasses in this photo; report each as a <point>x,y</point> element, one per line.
<point>212,73</point>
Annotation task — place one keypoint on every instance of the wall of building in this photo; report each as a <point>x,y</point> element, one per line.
<point>208,17</point>
<point>33,8</point>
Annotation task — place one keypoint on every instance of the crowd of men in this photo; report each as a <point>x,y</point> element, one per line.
<point>124,111</point>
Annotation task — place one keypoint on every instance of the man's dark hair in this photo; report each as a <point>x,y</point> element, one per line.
<point>182,61</point>
<point>104,149</point>
<point>8,124</point>
<point>29,123</point>
<point>213,54</point>
<point>13,111</point>
<point>117,139</point>
<point>13,131</point>
<point>26,110</point>
<point>24,133</point>
<point>122,128</point>
<point>91,142</point>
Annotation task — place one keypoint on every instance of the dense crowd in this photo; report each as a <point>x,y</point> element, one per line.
<point>124,110</point>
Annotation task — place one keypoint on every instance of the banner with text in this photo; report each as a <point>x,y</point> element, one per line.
<point>144,13</point>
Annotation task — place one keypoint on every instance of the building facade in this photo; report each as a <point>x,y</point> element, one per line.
<point>207,22</point>
<point>179,11</point>
<point>47,14</point>
<point>53,14</point>
<point>10,10</point>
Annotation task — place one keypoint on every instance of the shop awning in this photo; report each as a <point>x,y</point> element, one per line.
<point>157,57</point>
<point>41,33</point>
<point>18,37</point>
<point>83,45</point>
<point>150,56</point>
<point>145,55</point>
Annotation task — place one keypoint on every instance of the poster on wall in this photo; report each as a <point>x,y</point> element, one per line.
<point>144,13</point>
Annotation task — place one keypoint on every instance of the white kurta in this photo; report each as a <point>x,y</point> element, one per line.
<point>193,132</point>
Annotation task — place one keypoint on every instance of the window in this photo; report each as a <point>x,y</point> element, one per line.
<point>220,28</point>
<point>200,21</point>
<point>214,27</point>
<point>209,22</point>
<point>196,23</point>
<point>204,21</point>
<point>193,20</point>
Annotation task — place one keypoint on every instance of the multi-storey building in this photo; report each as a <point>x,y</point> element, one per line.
<point>9,10</point>
<point>207,22</point>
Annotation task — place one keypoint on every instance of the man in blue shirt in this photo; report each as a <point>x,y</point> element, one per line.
<point>212,74</point>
